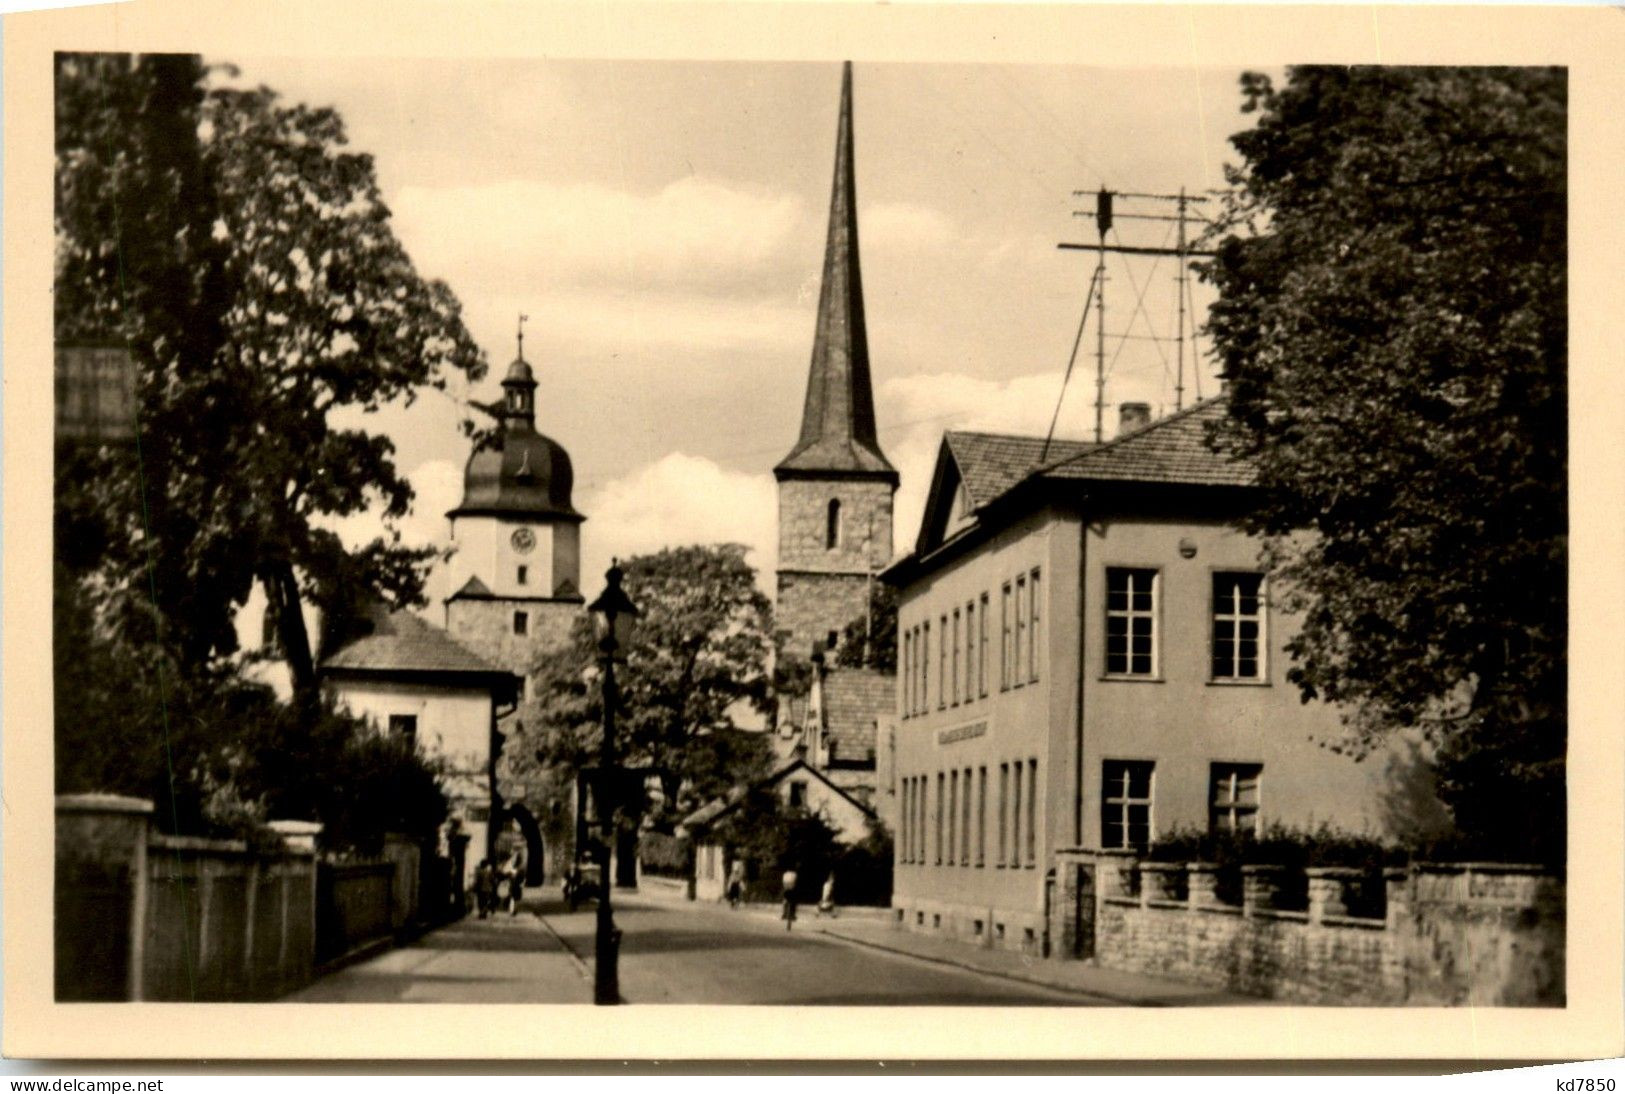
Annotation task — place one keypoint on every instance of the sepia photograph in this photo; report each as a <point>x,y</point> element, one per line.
<point>607,531</point>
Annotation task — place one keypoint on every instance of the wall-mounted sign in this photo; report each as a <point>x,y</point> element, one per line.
<point>961,733</point>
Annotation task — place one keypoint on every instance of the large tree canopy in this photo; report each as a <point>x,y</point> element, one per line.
<point>1392,324</point>
<point>699,656</point>
<point>245,258</point>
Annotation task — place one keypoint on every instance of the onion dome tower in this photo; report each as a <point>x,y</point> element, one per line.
<point>517,564</point>
<point>836,486</point>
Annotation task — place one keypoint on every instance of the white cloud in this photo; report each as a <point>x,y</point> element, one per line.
<point>693,234</point>
<point>675,501</point>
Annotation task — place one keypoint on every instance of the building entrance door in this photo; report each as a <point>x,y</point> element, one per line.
<point>1083,934</point>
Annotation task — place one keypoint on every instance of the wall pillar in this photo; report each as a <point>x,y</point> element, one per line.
<point>1202,890</point>
<point>1259,885</point>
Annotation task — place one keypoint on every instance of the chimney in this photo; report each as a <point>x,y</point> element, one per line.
<point>1132,416</point>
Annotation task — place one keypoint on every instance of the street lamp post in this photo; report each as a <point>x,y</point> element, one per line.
<point>615,612</point>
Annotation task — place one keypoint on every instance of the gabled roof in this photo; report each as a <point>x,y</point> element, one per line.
<point>853,700</point>
<point>708,814</point>
<point>473,589</point>
<point>403,644</point>
<point>1169,450</point>
<point>991,463</point>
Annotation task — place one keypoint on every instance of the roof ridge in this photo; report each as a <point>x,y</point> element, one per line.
<point>1122,438</point>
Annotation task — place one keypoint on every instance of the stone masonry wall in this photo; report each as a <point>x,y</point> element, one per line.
<point>486,627</point>
<point>1481,934</point>
<point>809,606</point>
<point>866,525</point>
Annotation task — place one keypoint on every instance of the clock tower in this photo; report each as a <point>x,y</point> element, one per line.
<point>517,566</point>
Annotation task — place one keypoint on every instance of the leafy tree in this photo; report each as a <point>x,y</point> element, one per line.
<point>246,260</point>
<point>699,653</point>
<point>870,640</point>
<point>1391,321</point>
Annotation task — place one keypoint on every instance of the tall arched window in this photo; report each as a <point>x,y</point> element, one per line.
<point>832,528</point>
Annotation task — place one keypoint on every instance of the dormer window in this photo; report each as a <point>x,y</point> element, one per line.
<point>832,525</point>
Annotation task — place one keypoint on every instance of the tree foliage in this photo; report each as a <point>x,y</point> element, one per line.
<point>699,653</point>
<point>1392,324</point>
<point>245,258</point>
<point>870,640</point>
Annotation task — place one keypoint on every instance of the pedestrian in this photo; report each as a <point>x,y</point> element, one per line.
<point>736,882</point>
<point>485,887</point>
<point>516,880</point>
<point>826,899</point>
<point>789,881</point>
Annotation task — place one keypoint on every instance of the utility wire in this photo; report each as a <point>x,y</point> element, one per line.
<point>1071,361</point>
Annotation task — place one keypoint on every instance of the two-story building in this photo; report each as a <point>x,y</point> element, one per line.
<point>1088,657</point>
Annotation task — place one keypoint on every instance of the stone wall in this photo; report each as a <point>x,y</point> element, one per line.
<point>486,627</point>
<point>1474,933</point>
<point>811,605</point>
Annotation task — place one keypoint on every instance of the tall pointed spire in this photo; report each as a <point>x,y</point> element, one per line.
<point>838,418</point>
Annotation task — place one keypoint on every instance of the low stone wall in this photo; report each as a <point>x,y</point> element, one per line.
<point>141,916</point>
<point>1467,933</point>
<point>354,906</point>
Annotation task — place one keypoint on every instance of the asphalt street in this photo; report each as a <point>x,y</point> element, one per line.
<point>670,953</point>
<point>705,953</point>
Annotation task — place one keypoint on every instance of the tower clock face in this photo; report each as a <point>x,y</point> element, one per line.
<point>523,540</point>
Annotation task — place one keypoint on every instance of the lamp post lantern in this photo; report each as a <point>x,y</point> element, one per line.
<point>615,614</point>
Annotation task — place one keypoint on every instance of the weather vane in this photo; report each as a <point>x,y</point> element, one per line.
<point>522,318</point>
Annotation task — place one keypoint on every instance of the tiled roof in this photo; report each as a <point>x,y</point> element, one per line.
<point>1170,450</point>
<point>708,813</point>
<point>473,588</point>
<point>402,642</point>
<point>992,463</point>
<point>853,699</point>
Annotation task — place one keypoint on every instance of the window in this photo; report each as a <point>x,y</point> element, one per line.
<point>955,678</point>
<point>1004,640</point>
<point>981,665</point>
<point>1032,812</point>
<point>925,666</point>
<point>1125,804</point>
<point>1131,647</point>
<point>964,834</point>
<point>906,667</point>
<point>798,794</point>
<point>953,812</point>
<point>1004,804</point>
<point>522,575</point>
<point>1238,626</point>
<point>1021,631</point>
<point>1015,814</point>
<point>521,623</point>
<point>403,728</point>
<point>970,651</point>
<point>1233,803</point>
<point>832,525</point>
<point>981,816</point>
<point>941,782</point>
<point>942,663</point>
<point>1032,630</point>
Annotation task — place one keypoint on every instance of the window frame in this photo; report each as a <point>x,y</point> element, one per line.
<point>954,689</point>
<point>1032,813</point>
<point>1034,641</point>
<point>521,624</point>
<point>1004,637</point>
<point>1153,615</point>
<point>1233,805</point>
<point>981,816</point>
<point>1108,801</point>
<point>1020,673</point>
<point>981,667</point>
<point>942,664</point>
<point>1004,818</point>
<point>402,727</point>
<point>833,525</point>
<point>1261,618</point>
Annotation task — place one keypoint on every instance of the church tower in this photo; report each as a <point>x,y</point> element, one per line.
<point>836,486</point>
<point>517,568</point>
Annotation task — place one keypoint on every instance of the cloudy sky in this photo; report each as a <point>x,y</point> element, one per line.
<point>662,225</point>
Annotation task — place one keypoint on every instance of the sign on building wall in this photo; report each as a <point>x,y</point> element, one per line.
<point>95,394</point>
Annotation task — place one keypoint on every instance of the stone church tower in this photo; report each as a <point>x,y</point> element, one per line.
<point>835,486</point>
<point>517,569</point>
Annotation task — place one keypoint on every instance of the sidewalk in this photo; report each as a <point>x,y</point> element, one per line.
<point>876,929</point>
